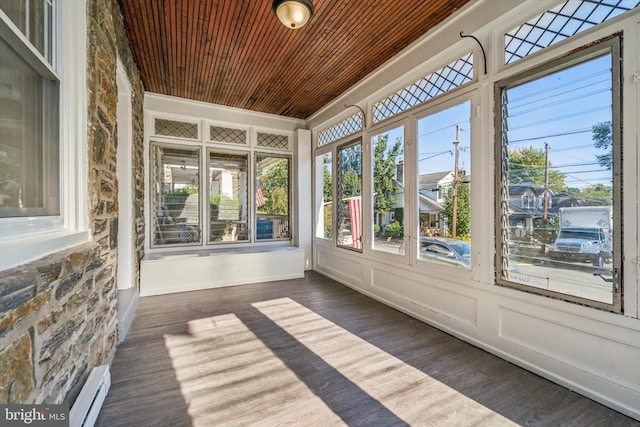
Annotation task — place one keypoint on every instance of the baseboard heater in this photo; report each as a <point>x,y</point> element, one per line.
<point>85,410</point>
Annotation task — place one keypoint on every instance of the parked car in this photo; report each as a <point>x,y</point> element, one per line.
<point>446,250</point>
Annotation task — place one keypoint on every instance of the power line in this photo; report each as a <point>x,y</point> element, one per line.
<point>552,135</point>
<point>516,105</point>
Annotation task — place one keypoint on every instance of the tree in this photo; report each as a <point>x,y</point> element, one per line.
<point>351,171</point>
<point>275,188</point>
<point>598,194</point>
<point>385,167</point>
<point>327,179</point>
<point>463,213</point>
<point>527,165</point>
<point>601,137</point>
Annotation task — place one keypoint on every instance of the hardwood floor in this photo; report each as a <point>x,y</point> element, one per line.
<point>312,352</point>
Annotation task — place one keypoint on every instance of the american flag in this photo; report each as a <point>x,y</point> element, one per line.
<point>355,218</point>
<point>259,197</point>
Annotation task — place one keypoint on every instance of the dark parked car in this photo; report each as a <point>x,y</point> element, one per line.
<point>446,250</point>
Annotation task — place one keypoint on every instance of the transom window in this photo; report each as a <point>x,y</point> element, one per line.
<point>340,130</point>
<point>437,83</point>
<point>556,24</point>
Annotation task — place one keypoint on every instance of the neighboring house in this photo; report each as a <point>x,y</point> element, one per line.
<point>431,190</point>
<point>526,205</point>
<point>432,185</point>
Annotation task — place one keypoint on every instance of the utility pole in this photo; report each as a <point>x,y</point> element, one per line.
<point>456,144</point>
<point>546,196</point>
<point>546,181</point>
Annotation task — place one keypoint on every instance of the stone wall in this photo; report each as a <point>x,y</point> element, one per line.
<point>58,315</point>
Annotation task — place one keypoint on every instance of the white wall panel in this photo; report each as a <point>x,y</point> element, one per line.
<point>340,266</point>
<point>444,302</point>
<point>611,359</point>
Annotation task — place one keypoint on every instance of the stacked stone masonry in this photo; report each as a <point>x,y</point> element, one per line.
<point>58,314</point>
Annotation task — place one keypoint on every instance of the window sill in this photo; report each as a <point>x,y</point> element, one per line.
<point>18,251</point>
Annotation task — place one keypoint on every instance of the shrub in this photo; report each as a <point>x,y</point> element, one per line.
<point>394,229</point>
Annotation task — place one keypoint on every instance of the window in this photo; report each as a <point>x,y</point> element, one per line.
<point>349,220</point>
<point>228,197</point>
<point>29,113</point>
<point>444,186</point>
<point>272,197</point>
<point>340,130</point>
<point>223,188</point>
<point>324,203</point>
<point>34,19</point>
<point>559,146</point>
<point>435,84</point>
<point>387,175</point>
<point>43,116</point>
<point>565,20</point>
<point>175,187</point>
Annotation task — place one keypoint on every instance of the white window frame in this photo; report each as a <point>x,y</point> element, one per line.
<point>559,54</point>
<point>26,239</point>
<point>190,115</point>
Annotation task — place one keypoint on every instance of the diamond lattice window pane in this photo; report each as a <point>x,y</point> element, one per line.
<point>228,135</point>
<point>338,131</point>
<point>450,77</point>
<point>176,128</point>
<point>563,21</point>
<point>270,140</point>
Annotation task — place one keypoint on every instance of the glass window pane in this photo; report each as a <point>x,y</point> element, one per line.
<point>324,196</point>
<point>228,197</point>
<point>29,152</point>
<point>272,197</point>
<point>444,186</point>
<point>34,19</point>
<point>388,191</point>
<point>176,195</point>
<point>558,175</point>
<point>349,221</point>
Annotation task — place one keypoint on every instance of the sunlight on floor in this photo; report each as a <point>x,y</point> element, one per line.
<point>229,376</point>
<point>406,391</point>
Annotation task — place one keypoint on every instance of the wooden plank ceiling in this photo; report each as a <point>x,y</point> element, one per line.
<point>236,52</point>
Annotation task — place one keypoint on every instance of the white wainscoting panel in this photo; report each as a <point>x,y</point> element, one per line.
<point>346,268</point>
<point>445,303</point>
<point>613,360</point>
<point>189,271</point>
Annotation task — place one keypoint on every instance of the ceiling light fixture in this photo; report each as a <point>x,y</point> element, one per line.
<point>293,13</point>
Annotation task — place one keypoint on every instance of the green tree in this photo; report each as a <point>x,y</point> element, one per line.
<point>327,179</point>
<point>275,188</point>
<point>601,136</point>
<point>350,171</point>
<point>598,194</point>
<point>351,184</point>
<point>463,213</point>
<point>527,165</point>
<point>384,173</point>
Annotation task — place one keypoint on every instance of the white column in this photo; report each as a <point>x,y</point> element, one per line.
<point>302,181</point>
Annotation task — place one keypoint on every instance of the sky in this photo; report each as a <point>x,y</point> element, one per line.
<point>561,110</point>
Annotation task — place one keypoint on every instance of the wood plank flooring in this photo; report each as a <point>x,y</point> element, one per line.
<point>312,352</point>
